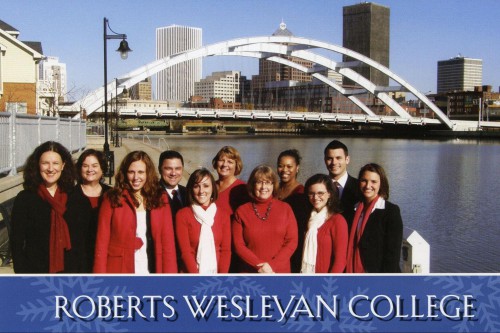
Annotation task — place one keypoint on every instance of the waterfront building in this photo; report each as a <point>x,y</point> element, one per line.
<point>465,104</point>
<point>224,85</point>
<point>141,90</point>
<point>18,71</point>
<point>176,84</point>
<point>51,85</point>
<point>459,73</point>
<point>366,31</point>
<point>270,71</point>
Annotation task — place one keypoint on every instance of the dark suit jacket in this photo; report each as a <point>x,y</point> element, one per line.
<point>175,207</point>
<point>350,196</point>
<point>380,244</point>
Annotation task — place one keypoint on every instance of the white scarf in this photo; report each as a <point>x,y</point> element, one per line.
<point>206,256</point>
<point>316,220</point>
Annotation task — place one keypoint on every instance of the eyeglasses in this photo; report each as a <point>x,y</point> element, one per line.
<point>264,183</point>
<point>319,194</point>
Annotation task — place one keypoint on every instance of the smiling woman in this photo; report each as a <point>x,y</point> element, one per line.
<point>50,226</point>
<point>264,229</point>
<point>135,231</point>
<point>203,229</point>
<point>377,228</point>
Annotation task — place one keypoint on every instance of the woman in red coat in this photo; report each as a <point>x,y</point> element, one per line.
<point>135,232</point>
<point>264,229</point>
<point>203,229</point>
<point>325,244</point>
<point>232,192</point>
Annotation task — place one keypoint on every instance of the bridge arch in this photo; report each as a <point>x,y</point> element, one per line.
<point>269,47</point>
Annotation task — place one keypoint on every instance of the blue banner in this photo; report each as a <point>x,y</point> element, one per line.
<point>231,303</point>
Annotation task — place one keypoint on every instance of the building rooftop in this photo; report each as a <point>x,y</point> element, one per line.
<point>37,46</point>
<point>7,27</point>
<point>282,30</point>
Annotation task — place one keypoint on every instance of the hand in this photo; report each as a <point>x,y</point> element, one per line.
<point>265,268</point>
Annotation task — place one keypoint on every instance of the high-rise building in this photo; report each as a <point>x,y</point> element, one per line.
<point>459,74</point>
<point>224,85</point>
<point>51,85</point>
<point>366,31</point>
<point>176,84</point>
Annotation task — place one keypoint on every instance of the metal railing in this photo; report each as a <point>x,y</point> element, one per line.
<point>20,134</point>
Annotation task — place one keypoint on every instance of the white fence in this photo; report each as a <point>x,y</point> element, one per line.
<point>20,134</point>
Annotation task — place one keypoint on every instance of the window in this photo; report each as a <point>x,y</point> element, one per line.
<point>16,107</point>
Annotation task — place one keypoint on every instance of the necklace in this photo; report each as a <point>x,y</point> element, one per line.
<point>268,211</point>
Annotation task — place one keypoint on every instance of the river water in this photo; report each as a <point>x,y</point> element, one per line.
<point>447,190</point>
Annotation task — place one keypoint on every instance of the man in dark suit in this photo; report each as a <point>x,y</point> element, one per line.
<point>337,159</point>
<point>171,167</point>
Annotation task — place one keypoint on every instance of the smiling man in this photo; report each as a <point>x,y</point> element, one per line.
<point>171,167</point>
<point>336,156</point>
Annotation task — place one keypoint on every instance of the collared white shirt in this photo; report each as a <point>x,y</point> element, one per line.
<point>169,191</point>
<point>342,181</point>
<point>380,204</point>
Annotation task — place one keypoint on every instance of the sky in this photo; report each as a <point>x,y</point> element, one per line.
<point>422,32</point>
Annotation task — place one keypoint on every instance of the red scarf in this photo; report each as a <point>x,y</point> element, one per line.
<point>354,263</point>
<point>59,233</point>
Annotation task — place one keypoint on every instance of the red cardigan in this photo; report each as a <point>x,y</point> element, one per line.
<point>273,240</point>
<point>233,196</point>
<point>116,234</point>
<point>332,245</point>
<point>187,232</point>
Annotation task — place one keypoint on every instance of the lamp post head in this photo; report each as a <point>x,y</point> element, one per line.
<point>124,49</point>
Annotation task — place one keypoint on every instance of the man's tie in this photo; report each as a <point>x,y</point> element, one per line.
<point>337,187</point>
<point>176,201</point>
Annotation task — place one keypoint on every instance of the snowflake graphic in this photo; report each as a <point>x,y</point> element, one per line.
<point>486,287</point>
<point>42,309</point>
<point>346,322</point>
<point>229,286</point>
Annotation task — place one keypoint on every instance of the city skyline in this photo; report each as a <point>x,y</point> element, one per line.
<point>421,33</point>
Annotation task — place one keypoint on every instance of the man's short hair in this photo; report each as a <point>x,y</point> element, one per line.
<point>168,155</point>
<point>336,144</point>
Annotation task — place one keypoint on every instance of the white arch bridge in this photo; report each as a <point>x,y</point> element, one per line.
<point>270,48</point>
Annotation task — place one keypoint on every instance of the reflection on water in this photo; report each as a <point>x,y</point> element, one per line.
<point>446,189</point>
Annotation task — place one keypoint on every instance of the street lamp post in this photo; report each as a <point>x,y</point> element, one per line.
<point>123,49</point>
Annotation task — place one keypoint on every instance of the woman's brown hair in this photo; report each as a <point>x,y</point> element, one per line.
<point>384,182</point>
<point>196,177</point>
<point>31,175</point>
<point>152,192</point>
<point>262,172</point>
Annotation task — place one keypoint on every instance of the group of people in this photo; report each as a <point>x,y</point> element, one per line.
<point>66,220</point>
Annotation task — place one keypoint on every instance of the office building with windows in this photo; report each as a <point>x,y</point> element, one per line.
<point>224,85</point>
<point>176,84</point>
<point>459,74</point>
<point>366,31</point>
<point>52,85</point>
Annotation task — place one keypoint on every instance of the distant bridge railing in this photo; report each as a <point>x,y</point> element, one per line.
<point>267,115</point>
<point>20,134</point>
